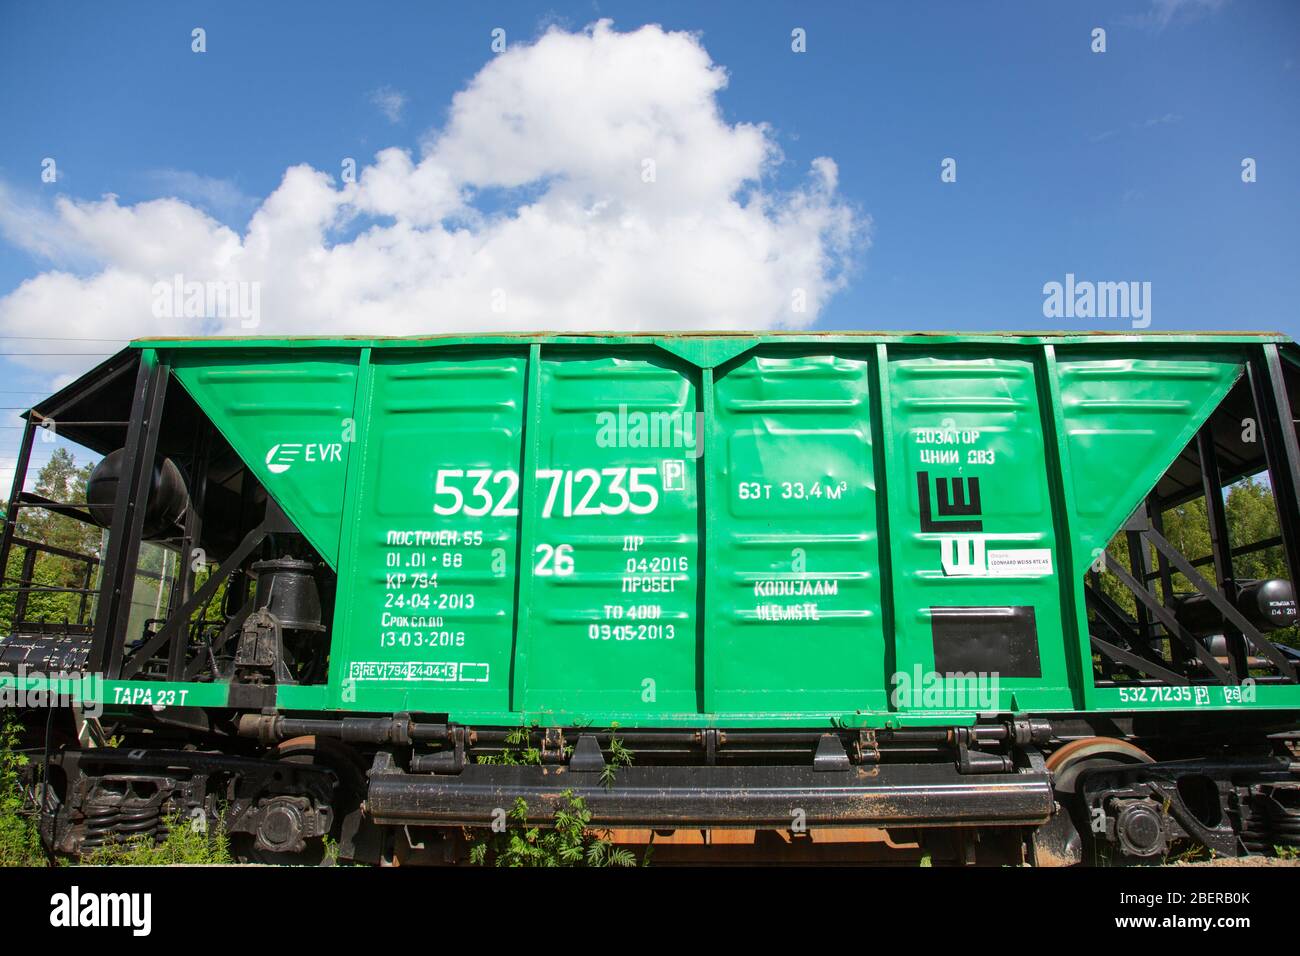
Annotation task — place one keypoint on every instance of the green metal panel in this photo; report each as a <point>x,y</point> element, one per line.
<point>796,622</point>
<point>967,430</point>
<point>614,563</point>
<point>1127,417</point>
<point>602,554</point>
<point>427,597</point>
<point>289,417</point>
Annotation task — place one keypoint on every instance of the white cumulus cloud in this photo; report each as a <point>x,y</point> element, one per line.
<point>389,101</point>
<point>585,181</point>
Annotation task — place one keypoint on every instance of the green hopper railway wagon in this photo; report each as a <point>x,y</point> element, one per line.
<point>792,583</point>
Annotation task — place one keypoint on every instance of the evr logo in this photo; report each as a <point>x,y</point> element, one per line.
<point>281,456</point>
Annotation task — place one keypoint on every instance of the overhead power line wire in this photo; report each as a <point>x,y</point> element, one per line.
<point>63,338</point>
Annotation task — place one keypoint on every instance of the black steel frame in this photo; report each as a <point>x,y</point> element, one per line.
<point>107,653</point>
<point>1154,617</point>
<point>124,537</point>
<point>898,795</point>
<point>108,648</point>
<point>9,539</point>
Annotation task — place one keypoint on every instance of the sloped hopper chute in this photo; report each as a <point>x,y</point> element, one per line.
<point>1126,419</point>
<point>290,417</point>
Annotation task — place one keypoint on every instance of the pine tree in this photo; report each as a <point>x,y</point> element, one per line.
<point>60,479</point>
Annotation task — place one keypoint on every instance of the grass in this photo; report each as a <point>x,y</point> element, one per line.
<point>182,844</point>
<point>20,842</point>
<point>570,841</point>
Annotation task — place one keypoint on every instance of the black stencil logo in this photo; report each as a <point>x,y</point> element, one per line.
<point>956,497</point>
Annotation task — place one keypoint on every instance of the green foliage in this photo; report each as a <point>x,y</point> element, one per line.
<point>53,606</point>
<point>569,841</point>
<point>182,844</point>
<point>619,757</point>
<point>20,842</point>
<point>1195,853</point>
<point>331,856</point>
<point>60,479</point>
<point>519,749</point>
<point>1251,516</point>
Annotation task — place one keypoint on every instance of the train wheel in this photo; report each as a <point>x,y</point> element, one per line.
<point>1069,762</point>
<point>349,785</point>
<point>1090,753</point>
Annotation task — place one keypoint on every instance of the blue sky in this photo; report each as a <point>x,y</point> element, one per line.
<point>1117,166</point>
